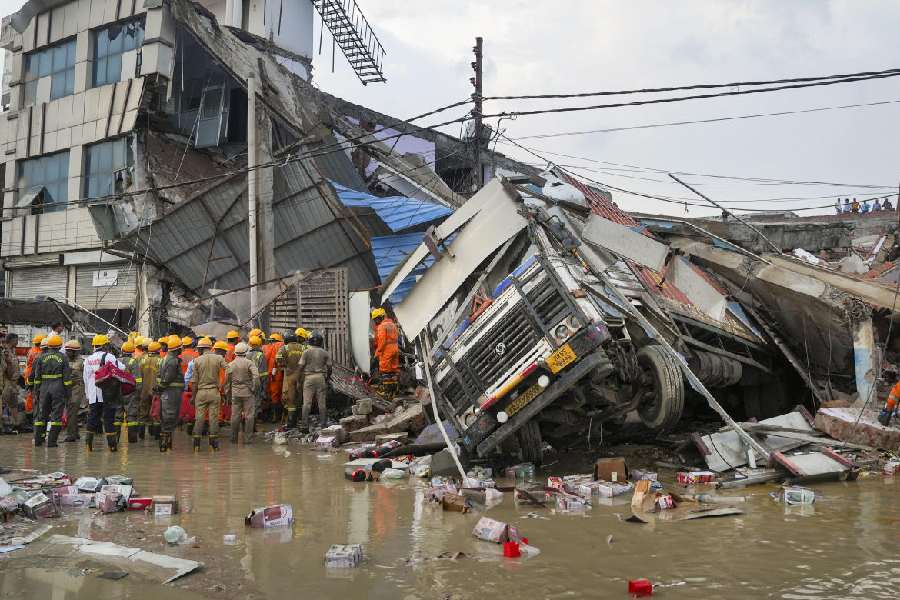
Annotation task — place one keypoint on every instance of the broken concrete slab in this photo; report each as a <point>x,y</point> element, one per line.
<point>817,465</point>
<point>857,426</point>
<point>410,420</point>
<point>157,566</point>
<point>354,422</point>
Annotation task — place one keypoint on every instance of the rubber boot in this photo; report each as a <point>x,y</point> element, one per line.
<point>142,431</point>
<point>205,429</point>
<point>112,442</point>
<point>155,431</point>
<point>163,442</point>
<point>293,415</point>
<point>190,428</point>
<point>39,435</point>
<point>169,439</point>
<point>133,434</point>
<point>89,441</point>
<point>214,443</point>
<point>54,436</point>
<point>196,446</point>
<point>234,436</point>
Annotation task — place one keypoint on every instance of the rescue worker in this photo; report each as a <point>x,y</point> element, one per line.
<point>132,402</point>
<point>207,390</point>
<point>288,360</point>
<point>233,338</point>
<point>35,407</point>
<point>9,381</point>
<point>102,408</point>
<point>51,374</point>
<point>140,347</point>
<point>241,385</point>
<point>169,384</point>
<point>149,371</point>
<point>77,398</point>
<point>315,364</point>
<point>887,412</point>
<point>387,351</point>
<point>163,347</point>
<point>256,356</point>
<point>276,375</point>
<point>186,410</point>
<point>33,353</point>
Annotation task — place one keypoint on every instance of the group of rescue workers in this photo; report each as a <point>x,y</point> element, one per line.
<point>177,380</point>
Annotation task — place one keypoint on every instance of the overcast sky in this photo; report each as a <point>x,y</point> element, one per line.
<point>595,45</point>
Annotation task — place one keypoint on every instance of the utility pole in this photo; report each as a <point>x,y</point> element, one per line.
<point>476,113</point>
<point>251,193</point>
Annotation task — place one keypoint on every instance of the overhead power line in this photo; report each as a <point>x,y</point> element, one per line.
<point>700,86</point>
<point>706,121</point>
<point>569,109</point>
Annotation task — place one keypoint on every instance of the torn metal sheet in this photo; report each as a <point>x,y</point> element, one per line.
<point>625,242</point>
<point>496,222</point>
<point>157,566</point>
<point>724,450</point>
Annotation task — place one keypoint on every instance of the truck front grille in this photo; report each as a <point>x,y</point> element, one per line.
<point>503,345</point>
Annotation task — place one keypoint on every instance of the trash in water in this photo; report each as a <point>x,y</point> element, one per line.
<point>454,503</point>
<point>89,484</point>
<point>139,503</point>
<point>343,556</point>
<point>119,480</point>
<point>229,539</point>
<point>689,478</point>
<point>113,575</point>
<point>175,534</point>
<point>890,468</point>
<point>640,587</point>
<point>278,515</point>
<point>491,530</point>
<point>794,495</point>
<point>511,550</point>
<point>393,474</point>
<point>164,506</point>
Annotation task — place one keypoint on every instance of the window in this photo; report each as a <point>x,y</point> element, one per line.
<point>105,164</point>
<point>109,45</point>
<point>50,172</point>
<point>56,62</point>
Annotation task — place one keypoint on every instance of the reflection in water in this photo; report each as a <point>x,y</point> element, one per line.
<point>842,546</point>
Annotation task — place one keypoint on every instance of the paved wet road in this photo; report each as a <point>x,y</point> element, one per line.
<point>845,546</point>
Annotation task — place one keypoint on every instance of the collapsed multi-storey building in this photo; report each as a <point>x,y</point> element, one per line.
<point>130,144</point>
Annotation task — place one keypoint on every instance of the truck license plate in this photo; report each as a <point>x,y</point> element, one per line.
<point>561,359</point>
<point>526,397</point>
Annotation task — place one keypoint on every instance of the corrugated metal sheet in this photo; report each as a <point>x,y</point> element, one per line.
<point>601,203</point>
<point>27,284</point>
<point>203,241</point>
<point>398,212</point>
<point>390,251</point>
<point>336,166</point>
<point>123,293</point>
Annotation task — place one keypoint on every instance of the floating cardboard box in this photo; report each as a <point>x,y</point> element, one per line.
<point>266,517</point>
<point>611,469</point>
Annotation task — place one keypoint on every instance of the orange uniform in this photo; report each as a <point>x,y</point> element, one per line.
<point>229,356</point>
<point>387,351</point>
<point>275,382</point>
<point>33,353</point>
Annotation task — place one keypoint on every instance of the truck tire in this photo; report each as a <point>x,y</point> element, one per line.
<point>530,443</point>
<point>662,389</point>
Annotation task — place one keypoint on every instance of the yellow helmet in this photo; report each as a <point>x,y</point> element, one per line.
<point>378,312</point>
<point>55,341</point>
<point>233,335</point>
<point>301,333</point>
<point>36,340</point>
<point>220,345</point>
<point>255,341</point>
<point>205,343</point>
<point>141,342</point>
<point>154,347</point>
<point>163,341</point>
<point>257,332</point>
<point>99,340</point>
<point>134,336</point>
<point>73,345</point>
<point>174,342</point>
<point>276,337</point>
<point>187,340</point>
<point>128,347</point>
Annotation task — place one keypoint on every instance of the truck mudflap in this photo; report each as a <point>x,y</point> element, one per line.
<point>549,395</point>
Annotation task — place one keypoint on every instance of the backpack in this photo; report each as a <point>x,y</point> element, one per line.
<point>113,380</point>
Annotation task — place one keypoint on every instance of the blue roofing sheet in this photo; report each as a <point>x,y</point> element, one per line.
<point>391,250</point>
<point>397,212</point>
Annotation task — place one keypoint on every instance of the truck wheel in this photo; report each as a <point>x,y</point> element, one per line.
<point>661,389</point>
<point>531,443</point>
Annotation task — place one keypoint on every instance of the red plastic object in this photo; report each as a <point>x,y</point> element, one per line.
<point>525,540</point>
<point>139,503</point>
<point>511,550</point>
<point>640,587</point>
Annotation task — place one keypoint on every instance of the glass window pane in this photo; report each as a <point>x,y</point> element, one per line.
<point>114,68</point>
<point>118,161</point>
<point>100,72</point>
<point>30,67</point>
<point>101,44</point>
<point>30,92</point>
<point>70,54</point>
<point>59,58</point>
<point>57,86</point>
<point>105,153</point>
<point>211,102</point>
<point>51,169</point>
<point>70,81</point>
<point>44,63</point>
<point>63,158</point>
<point>116,39</point>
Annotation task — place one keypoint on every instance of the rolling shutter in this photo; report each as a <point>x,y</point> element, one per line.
<point>28,283</point>
<point>105,286</point>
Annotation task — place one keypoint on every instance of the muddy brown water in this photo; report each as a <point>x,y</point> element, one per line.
<point>844,546</point>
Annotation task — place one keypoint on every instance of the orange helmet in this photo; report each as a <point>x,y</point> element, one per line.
<point>276,337</point>
<point>55,341</point>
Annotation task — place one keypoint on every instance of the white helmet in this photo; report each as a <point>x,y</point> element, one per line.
<point>241,348</point>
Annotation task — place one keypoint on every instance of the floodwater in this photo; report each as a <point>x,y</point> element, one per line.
<point>844,546</point>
